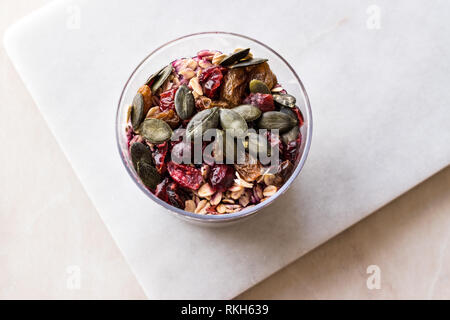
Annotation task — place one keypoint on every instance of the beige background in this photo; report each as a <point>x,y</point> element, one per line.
<point>48,224</point>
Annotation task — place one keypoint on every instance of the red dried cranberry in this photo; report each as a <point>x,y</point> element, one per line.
<point>221,177</point>
<point>290,151</point>
<point>161,190</point>
<point>299,116</point>
<point>167,99</point>
<point>186,176</point>
<point>159,155</point>
<point>182,152</point>
<point>211,78</point>
<point>261,100</point>
<point>275,142</point>
<point>174,197</point>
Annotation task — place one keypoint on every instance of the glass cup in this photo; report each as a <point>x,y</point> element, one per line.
<point>225,42</point>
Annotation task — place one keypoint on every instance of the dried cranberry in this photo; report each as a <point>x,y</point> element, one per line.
<point>299,116</point>
<point>181,152</point>
<point>167,100</point>
<point>161,190</point>
<point>159,155</point>
<point>211,78</point>
<point>290,151</point>
<point>261,100</point>
<point>221,177</point>
<point>173,196</point>
<point>275,142</point>
<point>186,176</point>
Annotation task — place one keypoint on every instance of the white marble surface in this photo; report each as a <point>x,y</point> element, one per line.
<point>403,138</point>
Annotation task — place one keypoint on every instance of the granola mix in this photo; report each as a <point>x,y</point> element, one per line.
<point>230,110</point>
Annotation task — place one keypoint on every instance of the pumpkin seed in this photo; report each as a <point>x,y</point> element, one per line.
<point>202,121</point>
<point>248,63</point>
<point>140,153</point>
<point>184,102</point>
<point>161,77</point>
<point>155,130</point>
<point>248,112</point>
<point>137,111</point>
<point>289,112</point>
<point>148,174</point>
<point>219,146</point>
<point>256,143</point>
<point>235,57</point>
<point>258,86</point>
<point>276,120</point>
<point>233,149</point>
<point>153,76</point>
<point>291,135</point>
<point>233,123</point>
<point>285,100</point>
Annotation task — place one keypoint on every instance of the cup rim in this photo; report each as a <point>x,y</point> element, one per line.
<point>229,216</point>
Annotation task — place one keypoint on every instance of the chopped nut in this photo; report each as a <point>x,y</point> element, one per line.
<point>204,64</point>
<point>269,190</point>
<point>235,187</point>
<point>196,95</point>
<point>191,64</point>
<point>187,73</point>
<point>269,178</point>
<point>244,200</point>
<point>202,206</point>
<point>176,82</point>
<point>258,191</point>
<point>205,191</point>
<point>221,208</point>
<point>237,194</point>
<point>231,201</point>
<point>195,84</point>
<point>241,182</point>
<point>216,198</point>
<point>230,208</point>
<point>218,58</point>
<point>189,205</point>
<point>277,89</point>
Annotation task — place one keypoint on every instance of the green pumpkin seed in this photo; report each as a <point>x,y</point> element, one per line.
<point>184,102</point>
<point>153,76</point>
<point>257,86</point>
<point>218,146</point>
<point>285,100</point>
<point>291,135</point>
<point>148,174</point>
<point>276,120</point>
<point>289,112</point>
<point>256,143</point>
<point>248,63</point>
<point>140,153</point>
<point>155,130</point>
<point>162,76</point>
<point>248,112</point>
<point>233,123</point>
<point>202,121</point>
<point>233,149</point>
<point>137,111</point>
<point>235,57</point>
